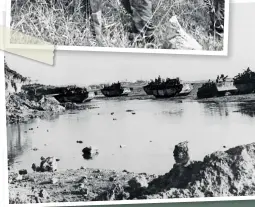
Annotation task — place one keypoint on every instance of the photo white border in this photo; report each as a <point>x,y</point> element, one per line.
<point>4,171</point>
<point>224,52</point>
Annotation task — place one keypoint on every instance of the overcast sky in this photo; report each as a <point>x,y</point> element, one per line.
<point>84,68</point>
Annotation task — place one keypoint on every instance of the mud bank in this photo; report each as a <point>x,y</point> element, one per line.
<point>26,101</point>
<point>222,173</point>
<point>20,108</point>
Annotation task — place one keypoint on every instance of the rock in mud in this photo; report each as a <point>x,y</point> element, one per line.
<point>51,104</point>
<point>23,172</point>
<point>138,182</point>
<point>35,168</point>
<point>48,164</point>
<point>16,197</point>
<point>111,179</point>
<point>54,180</point>
<point>115,192</point>
<point>43,194</point>
<point>181,153</point>
<point>19,177</point>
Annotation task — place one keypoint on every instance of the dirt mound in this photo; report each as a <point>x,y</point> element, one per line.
<point>20,108</point>
<point>229,173</point>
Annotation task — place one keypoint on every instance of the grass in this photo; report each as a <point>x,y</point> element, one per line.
<point>57,25</point>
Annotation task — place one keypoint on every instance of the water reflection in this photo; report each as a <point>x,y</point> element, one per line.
<point>216,109</point>
<point>247,109</point>
<point>149,135</point>
<point>17,144</point>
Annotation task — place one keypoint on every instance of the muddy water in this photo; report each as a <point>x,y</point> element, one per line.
<point>148,136</point>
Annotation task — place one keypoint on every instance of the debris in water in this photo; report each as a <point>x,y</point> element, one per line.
<point>129,110</point>
<point>35,149</point>
<point>114,119</point>
<point>133,113</point>
<point>79,141</point>
<point>112,113</point>
<point>89,153</point>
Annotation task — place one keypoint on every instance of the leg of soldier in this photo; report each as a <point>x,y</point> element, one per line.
<point>142,17</point>
<point>96,17</point>
<point>127,6</point>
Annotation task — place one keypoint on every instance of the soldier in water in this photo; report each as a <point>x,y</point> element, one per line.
<point>140,10</point>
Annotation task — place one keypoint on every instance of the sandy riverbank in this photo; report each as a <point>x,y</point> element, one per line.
<point>223,173</point>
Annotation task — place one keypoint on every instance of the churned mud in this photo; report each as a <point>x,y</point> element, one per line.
<point>222,173</point>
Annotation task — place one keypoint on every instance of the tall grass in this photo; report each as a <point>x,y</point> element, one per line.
<point>58,25</point>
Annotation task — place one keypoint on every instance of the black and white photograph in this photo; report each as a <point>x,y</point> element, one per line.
<point>114,127</point>
<point>124,25</point>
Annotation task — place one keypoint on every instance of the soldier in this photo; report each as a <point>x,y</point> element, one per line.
<point>140,10</point>
<point>217,14</point>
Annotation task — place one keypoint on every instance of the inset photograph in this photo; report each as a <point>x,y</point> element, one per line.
<point>116,25</point>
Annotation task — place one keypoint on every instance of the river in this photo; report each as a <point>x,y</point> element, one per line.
<point>148,137</point>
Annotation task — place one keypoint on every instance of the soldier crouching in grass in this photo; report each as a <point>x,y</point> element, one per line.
<point>140,11</point>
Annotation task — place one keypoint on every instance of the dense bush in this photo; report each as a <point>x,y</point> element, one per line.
<point>207,90</point>
<point>160,83</point>
<point>247,76</point>
<point>114,86</point>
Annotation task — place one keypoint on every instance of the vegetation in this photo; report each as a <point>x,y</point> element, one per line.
<point>114,86</point>
<point>39,90</point>
<point>160,83</point>
<point>207,90</point>
<point>247,76</point>
<point>9,72</point>
<point>58,25</point>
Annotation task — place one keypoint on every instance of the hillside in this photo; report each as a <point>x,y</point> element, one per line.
<point>13,80</point>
